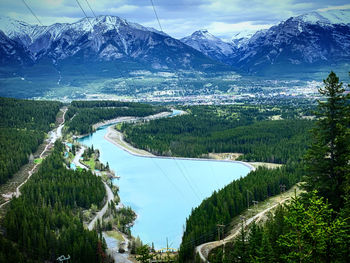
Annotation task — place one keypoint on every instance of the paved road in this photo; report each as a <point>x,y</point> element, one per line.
<point>110,195</point>
<point>99,215</point>
<point>77,158</point>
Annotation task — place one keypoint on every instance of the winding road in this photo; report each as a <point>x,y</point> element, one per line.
<point>110,195</point>
<point>99,215</point>
<point>204,249</point>
<point>77,158</point>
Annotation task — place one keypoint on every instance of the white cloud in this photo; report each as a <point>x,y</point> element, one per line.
<point>179,18</point>
<point>334,8</point>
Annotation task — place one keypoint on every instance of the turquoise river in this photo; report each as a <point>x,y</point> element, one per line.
<point>162,191</point>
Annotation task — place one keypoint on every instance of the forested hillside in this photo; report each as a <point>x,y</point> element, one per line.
<point>244,129</point>
<point>84,114</point>
<point>46,220</point>
<point>232,200</point>
<point>23,124</point>
<point>314,227</point>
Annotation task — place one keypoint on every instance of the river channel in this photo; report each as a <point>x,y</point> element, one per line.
<point>162,191</point>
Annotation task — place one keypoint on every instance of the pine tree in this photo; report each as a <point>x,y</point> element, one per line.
<point>314,235</point>
<point>143,254</point>
<point>327,160</point>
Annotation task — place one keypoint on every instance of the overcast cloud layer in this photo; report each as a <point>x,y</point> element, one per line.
<point>179,18</point>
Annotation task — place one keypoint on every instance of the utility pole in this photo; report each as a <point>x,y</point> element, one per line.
<point>220,229</point>
<point>255,203</point>
<point>223,253</point>
<point>282,188</point>
<point>248,197</point>
<point>242,219</point>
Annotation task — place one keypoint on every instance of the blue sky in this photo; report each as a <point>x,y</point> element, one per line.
<point>179,18</point>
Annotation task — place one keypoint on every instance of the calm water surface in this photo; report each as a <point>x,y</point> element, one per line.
<point>162,191</point>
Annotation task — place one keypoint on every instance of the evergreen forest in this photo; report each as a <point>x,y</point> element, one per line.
<point>246,129</point>
<point>23,125</point>
<point>312,227</point>
<point>46,220</point>
<point>83,114</point>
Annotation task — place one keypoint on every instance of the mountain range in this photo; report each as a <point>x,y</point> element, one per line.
<point>112,44</point>
<point>312,40</point>
<point>109,42</point>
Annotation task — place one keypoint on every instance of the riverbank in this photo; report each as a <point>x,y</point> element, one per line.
<point>131,119</point>
<point>234,156</point>
<point>113,247</point>
<point>126,119</point>
<point>117,138</point>
<point>178,184</point>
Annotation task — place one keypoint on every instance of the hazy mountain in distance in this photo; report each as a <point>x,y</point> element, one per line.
<point>210,45</point>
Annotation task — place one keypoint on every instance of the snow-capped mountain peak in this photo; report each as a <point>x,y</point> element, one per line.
<point>98,39</point>
<point>326,17</point>
<point>208,44</point>
<point>306,40</point>
<point>203,34</point>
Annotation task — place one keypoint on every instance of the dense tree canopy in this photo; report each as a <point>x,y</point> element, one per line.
<point>327,161</point>
<point>230,201</point>
<point>304,231</point>
<point>46,222</point>
<point>87,113</point>
<point>239,129</point>
<point>316,226</point>
<point>23,124</point>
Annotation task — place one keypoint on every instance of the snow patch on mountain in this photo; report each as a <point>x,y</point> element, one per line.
<point>327,17</point>
<point>208,44</point>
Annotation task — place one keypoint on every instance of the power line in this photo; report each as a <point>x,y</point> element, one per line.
<point>90,8</point>
<point>155,12</point>
<point>32,12</point>
<point>173,184</point>
<point>188,181</point>
<point>195,185</point>
<point>92,27</point>
<point>116,30</point>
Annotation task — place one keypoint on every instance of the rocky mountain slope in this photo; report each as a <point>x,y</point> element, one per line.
<point>98,40</point>
<point>209,45</point>
<point>312,40</point>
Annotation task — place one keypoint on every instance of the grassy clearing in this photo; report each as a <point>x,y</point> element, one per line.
<point>118,126</point>
<point>38,160</point>
<point>234,156</point>
<point>267,165</point>
<point>224,156</point>
<point>90,163</point>
<point>115,234</point>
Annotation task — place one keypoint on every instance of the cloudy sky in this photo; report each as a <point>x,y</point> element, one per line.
<point>178,18</point>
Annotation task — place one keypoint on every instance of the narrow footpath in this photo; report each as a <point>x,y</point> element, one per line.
<point>55,134</point>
